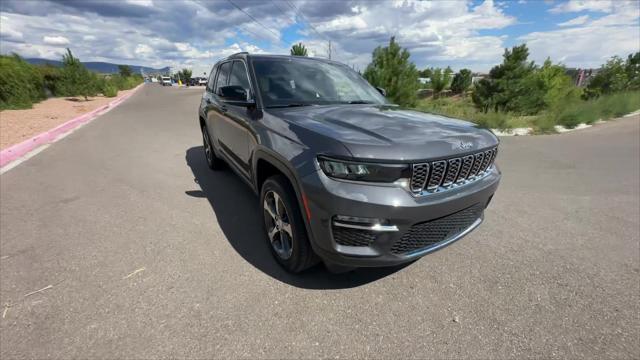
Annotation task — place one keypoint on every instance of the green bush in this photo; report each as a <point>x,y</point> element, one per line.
<point>125,83</point>
<point>21,84</point>
<point>109,90</point>
<point>544,124</point>
<point>604,107</point>
<point>50,77</point>
<point>464,109</point>
<point>492,120</point>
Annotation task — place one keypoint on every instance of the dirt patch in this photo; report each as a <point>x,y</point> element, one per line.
<point>19,125</point>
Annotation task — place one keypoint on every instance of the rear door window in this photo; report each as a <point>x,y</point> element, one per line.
<point>212,78</point>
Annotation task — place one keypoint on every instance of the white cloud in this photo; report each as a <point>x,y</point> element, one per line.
<point>585,42</point>
<point>144,50</point>
<point>575,21</point>
<point>147,3</point>
<point>588,46</point>
<point>437,33</point>
<point>584,5</point>
<point>343,23</point>
<point>8,30</point>
<point>55,40</point>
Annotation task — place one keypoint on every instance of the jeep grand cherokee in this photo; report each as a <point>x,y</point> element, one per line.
<point>343,175</point>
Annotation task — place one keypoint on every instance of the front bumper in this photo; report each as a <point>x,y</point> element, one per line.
<point>328,198</point>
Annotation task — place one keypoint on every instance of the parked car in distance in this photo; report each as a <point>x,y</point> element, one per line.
<point>343,175</point>
<point>165,81</point>
<point>202,81</point>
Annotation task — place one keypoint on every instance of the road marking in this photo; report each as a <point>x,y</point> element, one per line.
<point>133,273</point>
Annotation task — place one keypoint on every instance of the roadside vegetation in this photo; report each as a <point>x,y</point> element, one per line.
<point>515,93</point>
<point>23,84</point>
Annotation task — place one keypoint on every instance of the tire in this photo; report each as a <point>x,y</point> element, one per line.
<point>214,162</point>
<point>283,224</point>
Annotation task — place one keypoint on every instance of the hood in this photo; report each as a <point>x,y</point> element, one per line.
<point>390,133</point>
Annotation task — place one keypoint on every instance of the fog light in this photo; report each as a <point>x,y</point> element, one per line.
<point>362,223</point>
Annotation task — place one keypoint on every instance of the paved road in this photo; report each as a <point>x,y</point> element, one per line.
<point>553,271</point>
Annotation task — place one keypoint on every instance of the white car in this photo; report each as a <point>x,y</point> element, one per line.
<point>165,81</point>
<point>202,82</point>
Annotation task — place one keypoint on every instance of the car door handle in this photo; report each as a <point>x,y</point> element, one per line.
<point>208,101</point>
<point>223,108</point>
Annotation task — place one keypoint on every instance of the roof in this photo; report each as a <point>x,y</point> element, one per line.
<point>245,55</point>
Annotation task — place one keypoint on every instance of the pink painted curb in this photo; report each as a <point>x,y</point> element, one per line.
<point>16,151</point>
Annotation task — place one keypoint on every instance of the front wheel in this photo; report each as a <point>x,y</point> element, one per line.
<point>284,226</point>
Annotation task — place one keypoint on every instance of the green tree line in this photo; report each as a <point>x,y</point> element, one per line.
<point>23,84</point>
<point>517,86</point>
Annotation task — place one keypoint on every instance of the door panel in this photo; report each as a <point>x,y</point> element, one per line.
<point>216,117</point>
<point>239,117</point>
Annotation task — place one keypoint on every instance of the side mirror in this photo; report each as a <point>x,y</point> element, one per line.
<point>382,91</point>
<point>235,95</point>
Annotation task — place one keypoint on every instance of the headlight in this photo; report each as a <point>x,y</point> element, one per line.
<point>349,170</point>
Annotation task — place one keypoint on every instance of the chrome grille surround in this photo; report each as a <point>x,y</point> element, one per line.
<point>444,174</point>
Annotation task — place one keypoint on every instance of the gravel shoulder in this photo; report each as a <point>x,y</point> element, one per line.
<point>19,125</point>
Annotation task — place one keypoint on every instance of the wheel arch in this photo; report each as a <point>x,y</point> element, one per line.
<point>267,164</point>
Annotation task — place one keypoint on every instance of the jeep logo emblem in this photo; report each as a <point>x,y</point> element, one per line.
<point>465,145</point>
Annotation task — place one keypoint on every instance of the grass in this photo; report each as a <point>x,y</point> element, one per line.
<point>568,115</point>
<point>463,108</point>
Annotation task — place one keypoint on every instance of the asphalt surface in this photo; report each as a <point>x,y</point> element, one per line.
<point>150,254</point>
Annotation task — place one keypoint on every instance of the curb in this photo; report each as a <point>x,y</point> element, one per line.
<point>18,150</point>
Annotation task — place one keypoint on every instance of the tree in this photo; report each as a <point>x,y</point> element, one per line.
<point>557,86</point>
<point>508,87</point>
<point>299,50</point>
<point>616,75</point>
<point>461,81</point>
<point>75,78</point>
<point>391,69</point>
<point>426,73</point>
<point>185,75</point>
<point>440,79</point>
<point>125,70</point>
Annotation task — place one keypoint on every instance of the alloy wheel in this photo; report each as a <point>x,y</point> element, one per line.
<point>207,146</point>
<point>278,225</point>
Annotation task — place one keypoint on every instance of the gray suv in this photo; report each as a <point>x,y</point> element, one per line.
<point>343,175</point>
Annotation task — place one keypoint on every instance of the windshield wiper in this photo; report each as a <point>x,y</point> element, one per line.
<point>360,102</point>
<point>288,105</point>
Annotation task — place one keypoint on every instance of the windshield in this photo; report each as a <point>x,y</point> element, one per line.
<point>298,82</point>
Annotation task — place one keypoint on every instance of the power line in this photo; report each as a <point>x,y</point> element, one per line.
<point>255,20</point>
<point>280,9</point>
<point>305,19</point>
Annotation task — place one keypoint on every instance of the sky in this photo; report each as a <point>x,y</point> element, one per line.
<point>196,33</point>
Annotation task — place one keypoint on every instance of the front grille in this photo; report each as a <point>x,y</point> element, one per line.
<point>352,237</point>
<point>443,174</point>
<point>429,233</point>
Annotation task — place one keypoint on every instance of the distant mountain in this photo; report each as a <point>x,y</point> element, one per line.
<point>101,67</point>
